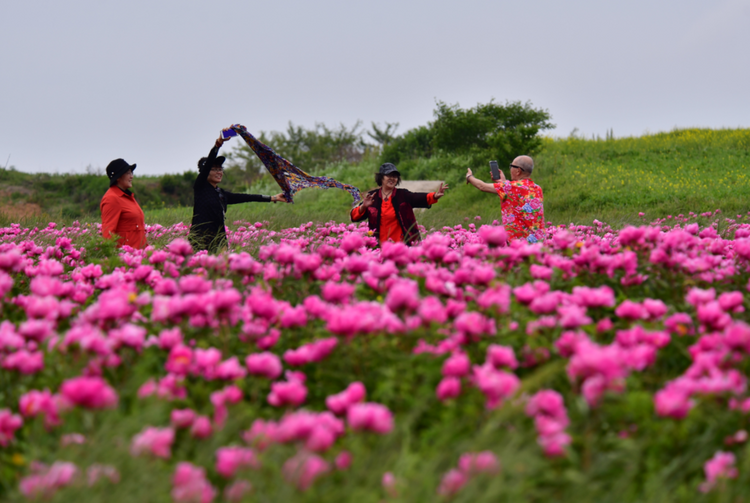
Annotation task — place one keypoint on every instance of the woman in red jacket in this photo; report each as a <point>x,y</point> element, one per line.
<point>390,211</point>
<point>121,214</point>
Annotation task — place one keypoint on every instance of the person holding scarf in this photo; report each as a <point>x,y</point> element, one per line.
<point>390,211</point>
<point>121,213</point>
<point>207,231</point>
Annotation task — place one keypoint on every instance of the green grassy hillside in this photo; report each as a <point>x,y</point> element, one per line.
<point>609,180</point>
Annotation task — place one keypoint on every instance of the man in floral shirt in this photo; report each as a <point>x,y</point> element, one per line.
<point>522,200</point>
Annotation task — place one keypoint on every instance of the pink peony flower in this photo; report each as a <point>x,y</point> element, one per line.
<point>493,235</point>
<point>472,463</point>
<point>231,459</point>
<point>452,482</point>
<point>182,418</point>
<point>671,402</point>
<point>343,460</point>
<point>303,468</point>
<point>180,360</point>
<point>264,364</point>
<point>9,423</point>
<point>36,402</point>
<point>189,485</point>
<point>501,356</point>
<point>156,441</point>
<point>496,385</point>
<point>46,481</point>
<point>89,392</point>
<point>291,393</point>
<point>25,362</point>
<point>370,416</point>
<point>449,387</point>
<point>201,427</point>
<point>457,365</point>
<point>719,466</point>
<point>340,402</point>
<point>236,491</point>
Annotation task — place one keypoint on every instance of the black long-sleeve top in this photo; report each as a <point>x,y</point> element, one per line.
<point>210,207</point>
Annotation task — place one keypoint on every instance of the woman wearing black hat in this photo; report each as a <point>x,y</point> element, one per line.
<point>121,214</point>
<point>207,231</point>
<point>390,211</point>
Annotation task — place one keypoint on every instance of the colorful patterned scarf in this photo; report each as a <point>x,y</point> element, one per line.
<point>290,178</point>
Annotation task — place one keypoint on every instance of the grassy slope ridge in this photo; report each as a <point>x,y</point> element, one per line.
<point>610,180</point>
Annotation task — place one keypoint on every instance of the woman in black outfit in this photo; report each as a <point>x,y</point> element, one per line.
<point>210,206</point>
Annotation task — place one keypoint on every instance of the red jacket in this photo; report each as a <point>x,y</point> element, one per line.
<point>122,215</point>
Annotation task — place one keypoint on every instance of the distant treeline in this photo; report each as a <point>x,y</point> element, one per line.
<point>485,131</point>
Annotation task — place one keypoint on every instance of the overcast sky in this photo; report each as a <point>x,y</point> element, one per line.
<point>153,82</point>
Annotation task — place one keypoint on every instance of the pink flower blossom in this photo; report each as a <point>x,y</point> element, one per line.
<point>303,468</point>
<point>343,460</point>
<point>155,441</point>
<point>9,423</point>
<point>370,416</point>
<point>340,402</point>
<point>449,387</point>
<point>89,392</point>
<point>201,427</point>
<point>264,364</point>
<point>287,393</point>
<point>236,491</point>
<point>231,459</point>
<point>25,362</point>
<point>496,385</point>
<point>452,482</point>
<point>182,418</point>
<point>189,485</point>
<point>457,365</point>
<point>46,481</point>
<point>501,356</point>
<point>493,235</point>
<point>472,463</point>
<point>722,465</point>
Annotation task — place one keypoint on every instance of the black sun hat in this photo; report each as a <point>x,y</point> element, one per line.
<point>116,169</point>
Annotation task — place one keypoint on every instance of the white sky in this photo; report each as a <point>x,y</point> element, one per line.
<point>153,82</point>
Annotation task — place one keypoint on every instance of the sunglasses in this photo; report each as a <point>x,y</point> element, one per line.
<point>517,167</point>
<point>219,169</point>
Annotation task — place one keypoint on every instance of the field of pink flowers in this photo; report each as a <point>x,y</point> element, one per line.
<point>311,365</point>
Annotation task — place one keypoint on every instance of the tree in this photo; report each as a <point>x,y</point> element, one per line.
<point>383,136</point>
<point>501,131</point>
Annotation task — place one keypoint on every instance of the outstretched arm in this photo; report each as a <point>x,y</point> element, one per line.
<point>479,184</point>
<point>233,198</point>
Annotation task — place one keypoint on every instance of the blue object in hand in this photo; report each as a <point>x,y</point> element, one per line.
<point>228,133</point>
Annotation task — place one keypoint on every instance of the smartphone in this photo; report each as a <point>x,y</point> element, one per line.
<point>495,170</point>
<point>228,133</point>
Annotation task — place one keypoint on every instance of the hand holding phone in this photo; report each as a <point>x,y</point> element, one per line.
<point>228,133</point>
<point>495,170</point>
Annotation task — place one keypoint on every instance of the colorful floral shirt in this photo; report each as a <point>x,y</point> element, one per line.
<point>523,209</point>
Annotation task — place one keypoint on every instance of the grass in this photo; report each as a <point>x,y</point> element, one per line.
<point>609,180</point>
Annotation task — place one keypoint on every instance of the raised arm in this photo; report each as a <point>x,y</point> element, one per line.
<point>479,184</point>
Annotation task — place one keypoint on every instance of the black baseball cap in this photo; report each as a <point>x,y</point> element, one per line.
<point>388,168</point>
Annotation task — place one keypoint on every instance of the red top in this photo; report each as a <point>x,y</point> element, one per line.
<point>523,209</point>
<point>389,226</point>
<point>122,215</point>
